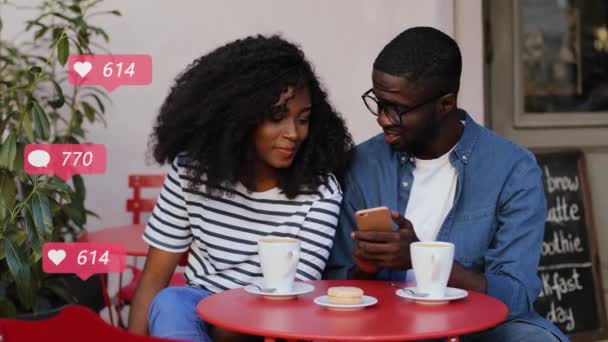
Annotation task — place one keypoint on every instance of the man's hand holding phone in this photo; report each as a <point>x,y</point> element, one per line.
<point>383,248</point>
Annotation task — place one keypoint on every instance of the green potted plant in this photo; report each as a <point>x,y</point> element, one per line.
<point>37,106</point>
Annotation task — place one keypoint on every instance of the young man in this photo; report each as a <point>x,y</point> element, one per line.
<point>448,179</point>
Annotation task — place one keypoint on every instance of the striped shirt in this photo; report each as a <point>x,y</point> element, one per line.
<point>221,231</point>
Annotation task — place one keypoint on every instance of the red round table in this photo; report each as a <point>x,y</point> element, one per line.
<point>129,235</point>
<point>392,319</point>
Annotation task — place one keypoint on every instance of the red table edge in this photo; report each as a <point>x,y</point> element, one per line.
<point>295,337</point>
<point>84,238</point>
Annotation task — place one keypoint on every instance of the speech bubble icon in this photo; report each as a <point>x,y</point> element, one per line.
<point>39,158</point>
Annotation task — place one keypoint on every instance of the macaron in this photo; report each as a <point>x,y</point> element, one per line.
<point>344,295</point>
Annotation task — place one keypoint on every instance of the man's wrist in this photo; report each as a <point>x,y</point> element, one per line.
<point>463,278</point>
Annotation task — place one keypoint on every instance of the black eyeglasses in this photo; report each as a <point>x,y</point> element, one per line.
<point>393,111</point>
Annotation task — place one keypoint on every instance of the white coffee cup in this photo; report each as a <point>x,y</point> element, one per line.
<point>432,262</point>
<point>279,257</point>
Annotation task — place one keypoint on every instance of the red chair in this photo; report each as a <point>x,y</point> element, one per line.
<point>75,323</point>
<point>138,205</point>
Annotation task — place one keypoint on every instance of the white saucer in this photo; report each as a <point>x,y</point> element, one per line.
<point>365,302</point>
<point>299,288</point>
<point>451,293</point>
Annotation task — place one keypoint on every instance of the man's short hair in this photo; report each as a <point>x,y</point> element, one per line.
<point>421,55</point>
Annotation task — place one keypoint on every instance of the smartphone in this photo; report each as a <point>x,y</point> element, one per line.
<point>374,219</point>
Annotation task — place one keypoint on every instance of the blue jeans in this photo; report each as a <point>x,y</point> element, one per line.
<point>512,331</point>
<point>173,314</point>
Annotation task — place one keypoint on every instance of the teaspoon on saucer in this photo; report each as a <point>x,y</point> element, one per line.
<point>410,291</point>
<point>264,289</point>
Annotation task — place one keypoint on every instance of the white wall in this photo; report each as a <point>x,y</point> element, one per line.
<point>468,31</point>
<point>341,37</point>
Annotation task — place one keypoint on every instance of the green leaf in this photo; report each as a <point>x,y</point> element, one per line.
<point>32,235</point>
<point>100,32</point>
<point>70,140</point>
<point>75,8</point>
<point>57,33</point>
<point>61,290</point>
<point>8,195</point>
<point>89,111</point>
<point>59,186</point>
<point>75,213</point>
<point>8,151</point>
<point>56,207</point>
<point>81,48</point>
<point>78,131</point>
<point>59,99</point>
<point>79,187</point>
<point>27,126</point>
<point>6,121</point>
<point>77,118</point>
<point>42,213</point>
<point>35,70</point>
<point>20,270</point>
<point>41,32</point>
<point>102,119</point>
<point>65,17</point>
<point>116,12</point>
<point>18,168</point>
<point>63,49</point>
<point>17,236</point>
<point>13,259</point>
<point>7,309</point>
<point>30,226</point>
<point>101,92</point>
<point>100,104</point>
<point>41,121</point>
<point>91,213</point>
<point>83,37</point>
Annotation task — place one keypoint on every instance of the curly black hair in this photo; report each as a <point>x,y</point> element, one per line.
<point>423,54</point>
<point>216,104</point>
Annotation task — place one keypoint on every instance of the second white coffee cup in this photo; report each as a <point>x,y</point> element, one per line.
<point>432,263</point>
<point>279,257</point>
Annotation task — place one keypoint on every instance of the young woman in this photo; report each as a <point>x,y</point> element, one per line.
<point>254,144</point>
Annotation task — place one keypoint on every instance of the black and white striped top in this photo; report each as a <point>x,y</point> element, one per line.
<point>221,231</point>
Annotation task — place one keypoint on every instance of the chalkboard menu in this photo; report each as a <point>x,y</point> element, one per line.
<point>571,294</point>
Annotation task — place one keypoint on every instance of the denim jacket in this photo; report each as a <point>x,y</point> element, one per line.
<point>496,223</point>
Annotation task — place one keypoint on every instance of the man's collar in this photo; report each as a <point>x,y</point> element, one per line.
<point>467,142</point>
<point>469,137</point>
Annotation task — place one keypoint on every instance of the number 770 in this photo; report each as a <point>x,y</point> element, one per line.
<point>86,160</point>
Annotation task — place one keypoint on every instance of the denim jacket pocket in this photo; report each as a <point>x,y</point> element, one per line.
<point>476,215</point>
<point>472,233</point>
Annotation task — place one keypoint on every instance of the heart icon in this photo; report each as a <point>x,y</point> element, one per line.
<point>56,256</point>
<point>83,68</point>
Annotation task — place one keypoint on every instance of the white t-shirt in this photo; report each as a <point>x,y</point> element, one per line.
<point>221,232</point>
<point>431,196</point>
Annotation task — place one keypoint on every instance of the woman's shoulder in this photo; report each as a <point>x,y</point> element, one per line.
<point>329,187</point>
<point>181,160</point>
<point>182,164</point>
